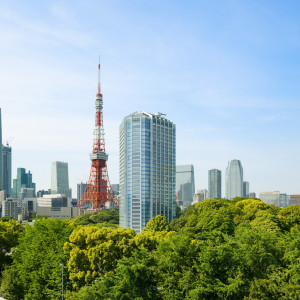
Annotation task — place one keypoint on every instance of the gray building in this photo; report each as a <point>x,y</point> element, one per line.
<point>214,184</point>
<point>147,169</point>
<point>23,180</point>
<point>80,189</point>
<point>185,185</point>
<point>252,195</point>
<point>60,178</point>
<point>1,175</point>
<point>116,189</point>
<point>6,169</point>
<point>246,189</point>
<point>234,179</point>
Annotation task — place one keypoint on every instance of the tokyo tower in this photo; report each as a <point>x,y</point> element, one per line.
<point>98,190</point>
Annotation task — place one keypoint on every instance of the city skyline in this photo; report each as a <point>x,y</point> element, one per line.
<point>240,74</point>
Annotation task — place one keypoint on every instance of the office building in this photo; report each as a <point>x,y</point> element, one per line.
<point>11,208</point>
<point>200,196</point>
<point>23,180</point>
<point>275,198</point>
<point>6,169</point>
<point>53,200</point>
<point>60,178</point>
<point>41,193</point>
<point>294,199</point>
<point>246,189</point>
<point>147,169</point>
<point>80,189</point>
<point>234,179</point>
<point>1,175</point>
<point>252,195</point>
<point>185,185</point>
<point>214,184</point>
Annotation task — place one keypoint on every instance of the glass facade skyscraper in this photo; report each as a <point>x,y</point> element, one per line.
<point>234,179</point>
<point>6,169</point>
<point>60,178</point>
<point>185,185</point>
<point>147,169</point>
<point>214,184</point>
<point>23,180</point>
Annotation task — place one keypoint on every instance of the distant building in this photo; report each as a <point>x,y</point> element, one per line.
<point>60,178</point>
<point>41,193</point>
<point>80,189</point>
<point>26,193</point>
<point>275,198</point>
<point>185,185</point>
<point>200,196</point>
<point>1,172</point>
<point>294,199</point>
<point>116,189</point>
<point>214,184</point>
<point>23,180</point>
<point>234,179</point>
<point>58,212</point>
<point>252,195</point>
<point>246,189</point>
<point>11,208</point>
<point>6,169</point>
<point>57,200</point>
<point>147,169</point>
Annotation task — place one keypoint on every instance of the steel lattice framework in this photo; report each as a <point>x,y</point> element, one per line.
<point>98,190</point>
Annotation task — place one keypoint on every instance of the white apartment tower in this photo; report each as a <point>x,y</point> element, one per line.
<point>147,169</point>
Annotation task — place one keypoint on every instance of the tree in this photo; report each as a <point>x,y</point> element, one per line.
<point>35,271</point>
<point>158,223</point>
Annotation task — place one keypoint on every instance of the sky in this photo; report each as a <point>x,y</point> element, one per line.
<point>227,73</point>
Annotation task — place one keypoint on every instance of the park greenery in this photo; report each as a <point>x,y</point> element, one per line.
<point>217,249</point>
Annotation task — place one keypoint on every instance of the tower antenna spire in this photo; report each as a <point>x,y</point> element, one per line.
<point>99,84</point>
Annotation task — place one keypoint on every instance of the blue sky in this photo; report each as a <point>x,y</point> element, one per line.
<point>226,72</point>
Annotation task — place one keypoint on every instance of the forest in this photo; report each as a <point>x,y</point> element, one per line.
<point>217,249</point>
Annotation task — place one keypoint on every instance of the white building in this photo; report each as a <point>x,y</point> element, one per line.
<point>11,208</point>
<point>234,179</point>
<point>200,196</point>
<point>275,198</point>
<point>147,169</point>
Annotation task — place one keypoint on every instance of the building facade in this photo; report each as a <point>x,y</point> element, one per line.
<point>200,196</point>
<point>6,169</point>
<point>252,195</point>
<point>246,189</point>
<point>147,169</point>
<point>294,199</point>
<point>1,176</point>
<point>214,184</point>
<point>275,198</point>
<point>185,185</point>
<point>60,178</point>
<point>23,180</point>
<point>234,179</point>
<point>11,208</point>
<point>80,189</point>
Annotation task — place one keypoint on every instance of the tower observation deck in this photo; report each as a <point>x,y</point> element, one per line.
<point>98,190</point>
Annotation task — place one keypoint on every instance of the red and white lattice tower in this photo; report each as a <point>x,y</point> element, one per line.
<point>98,190</point>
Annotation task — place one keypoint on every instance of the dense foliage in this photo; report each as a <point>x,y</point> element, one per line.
<point>217,249</point>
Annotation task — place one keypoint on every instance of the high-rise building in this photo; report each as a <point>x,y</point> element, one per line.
<point>214,184</point>
<point>116,188</point>
<point>1,176</point>
<point>6,169</point>
<point>234,179</point>
<point>185,185</point>
<point>147,169</point>
<point>275,198</point>
<point>23,180</point>
<point>246,189</point>
<point>11,208</point>
<point>80,189</point>
<point>60,178</point>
